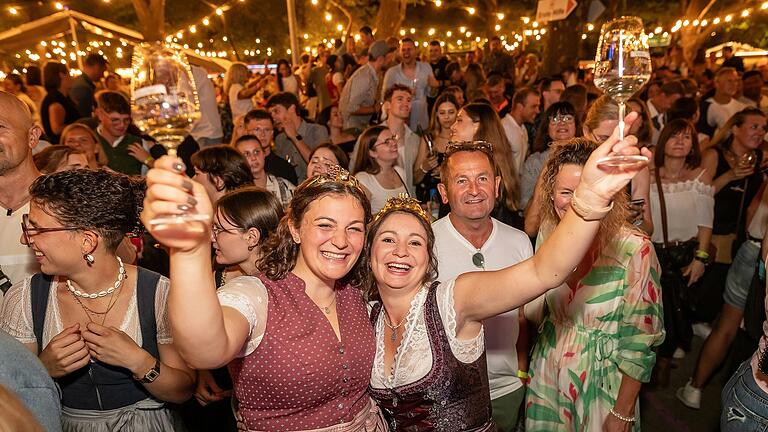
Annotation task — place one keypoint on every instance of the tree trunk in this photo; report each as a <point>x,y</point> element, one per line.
<point>564,45</point>
<point>489,13</point>
<point>151,14</point>
<point>692,38</point>
<point>389,18</point>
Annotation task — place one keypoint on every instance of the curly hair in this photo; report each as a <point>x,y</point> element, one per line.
<point>280,253</point>
<point>576,151</point>
<point>370,288</point>
<point>102,201</point>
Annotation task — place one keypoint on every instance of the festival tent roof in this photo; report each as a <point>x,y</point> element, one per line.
<point>65,22</point>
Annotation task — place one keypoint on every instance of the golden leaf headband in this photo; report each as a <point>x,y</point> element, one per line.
<point>335,174</point>
<point>402,202</point>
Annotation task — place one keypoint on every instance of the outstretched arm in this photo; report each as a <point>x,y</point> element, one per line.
<point>206,335</point>
<point>480,295</point>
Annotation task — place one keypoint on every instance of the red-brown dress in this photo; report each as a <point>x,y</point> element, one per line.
<point>294,374</point>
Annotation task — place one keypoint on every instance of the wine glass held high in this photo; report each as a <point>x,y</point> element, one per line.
<point>622,66</point>
<point>164,104</point>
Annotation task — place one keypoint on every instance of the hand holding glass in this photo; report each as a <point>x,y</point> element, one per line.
<point>164,104</point>
<point>622,66</point>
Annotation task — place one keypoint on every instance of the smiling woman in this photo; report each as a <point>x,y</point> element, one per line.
<point>98,326</point>
<point>296,337</point>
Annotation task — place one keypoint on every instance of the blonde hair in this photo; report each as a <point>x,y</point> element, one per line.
<point>576,151</point>
<point>604,108</point>
<point>237,74</point>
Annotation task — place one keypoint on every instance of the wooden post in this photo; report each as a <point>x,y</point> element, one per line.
<point>292,30</point>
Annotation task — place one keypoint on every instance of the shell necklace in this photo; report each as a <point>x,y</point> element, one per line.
<point>121,275</point>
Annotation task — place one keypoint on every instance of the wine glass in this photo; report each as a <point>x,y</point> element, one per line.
<point>622,66</point>
<point>164,104</point>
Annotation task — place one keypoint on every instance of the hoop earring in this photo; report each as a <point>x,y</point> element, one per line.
<point>89,259</point>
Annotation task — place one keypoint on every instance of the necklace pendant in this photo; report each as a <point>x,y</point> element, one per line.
<point>327,310</point>
<point>393,336</point>
<point>394,401</point>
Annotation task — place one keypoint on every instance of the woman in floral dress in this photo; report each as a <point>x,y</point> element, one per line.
<point>596,338</point>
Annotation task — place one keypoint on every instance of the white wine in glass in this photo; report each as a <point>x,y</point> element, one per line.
<point>164,104</point>
<point>622,66</point>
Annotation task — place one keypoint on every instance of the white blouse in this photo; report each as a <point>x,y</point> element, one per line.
<point>413,359</point>
<point>690,205</point>
<point>248,296</point>
<point>16,314</point>
<point>380,195</point>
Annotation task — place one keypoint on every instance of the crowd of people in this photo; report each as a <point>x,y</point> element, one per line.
<point>399,239</point>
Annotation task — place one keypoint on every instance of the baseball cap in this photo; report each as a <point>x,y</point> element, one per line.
<point>379,49</point>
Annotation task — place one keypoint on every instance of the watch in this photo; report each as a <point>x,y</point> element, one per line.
<point>298,137</point>
<point>152,375</point>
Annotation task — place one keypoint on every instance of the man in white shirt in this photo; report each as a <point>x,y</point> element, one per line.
<point>17,172</point>
<point>418,76</point>
<point>660,103</point>
<point>207,131</point>
<point>723,105</point>
<point>469,239</point>
<point>397,105</point>
<point>525,108</point>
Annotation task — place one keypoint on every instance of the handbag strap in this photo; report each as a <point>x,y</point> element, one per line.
<point>663,206</point>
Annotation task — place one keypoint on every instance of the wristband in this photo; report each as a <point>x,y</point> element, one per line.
<point>523,374</point>
<point>587,212</point>
<point>622,418</point>
<point>701,254</point>
<point>148,160</point>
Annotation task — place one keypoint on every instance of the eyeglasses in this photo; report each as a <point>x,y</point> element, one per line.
<point>218,229</point>
<point>457,146</point>
<point>478,260</point>
<point>28,231</point>
<point>562,118</point>
<point>389,142</point>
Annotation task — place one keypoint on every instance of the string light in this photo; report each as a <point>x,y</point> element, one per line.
<point>13,11</point>
<point>59,6</point>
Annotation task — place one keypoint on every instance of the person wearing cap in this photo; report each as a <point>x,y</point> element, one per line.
<point>358,100</point>
<point>84,86</point>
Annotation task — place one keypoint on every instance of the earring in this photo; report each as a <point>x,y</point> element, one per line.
<point>88,259</point>
<point>297,240</point>
<point>251,247</point>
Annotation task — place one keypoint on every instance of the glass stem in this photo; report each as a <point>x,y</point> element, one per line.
<point>171,151</point>
<point>621,120</point>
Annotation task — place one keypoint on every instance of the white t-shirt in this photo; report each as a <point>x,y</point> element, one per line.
<point>16,260</point>
<point>238,106</point>
<point>505,247</point>
<point>518,140</point>
<point>380,195</point>
<point>718,114</point>
<point>209,125</point>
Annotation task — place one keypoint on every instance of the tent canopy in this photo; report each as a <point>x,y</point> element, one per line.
<point>65,22</point>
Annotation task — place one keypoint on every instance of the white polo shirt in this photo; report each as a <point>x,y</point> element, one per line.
<point>505,247</point>
<point>16,260</point>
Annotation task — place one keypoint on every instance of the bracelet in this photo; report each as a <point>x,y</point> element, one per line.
<point>587,212</point>
<point>622,418</point>
<point>422,169</point>
<point>148,160</point>
<point>701,254</point>
<point>523,374</point>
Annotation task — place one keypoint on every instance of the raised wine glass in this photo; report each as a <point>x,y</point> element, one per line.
<point>164,104</point>
<point>622,66</point>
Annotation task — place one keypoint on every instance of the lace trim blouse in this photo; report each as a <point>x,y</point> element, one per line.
<point>413,359</point>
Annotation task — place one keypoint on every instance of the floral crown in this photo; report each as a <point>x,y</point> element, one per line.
<point>334,174</point>
<point>402,202</point>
